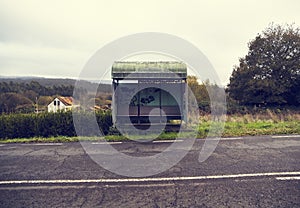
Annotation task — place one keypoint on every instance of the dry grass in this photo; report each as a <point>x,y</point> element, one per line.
<point>267,123</point>
<point>268,116</point>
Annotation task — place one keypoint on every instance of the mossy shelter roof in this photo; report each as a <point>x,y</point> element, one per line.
<point>170,69</point>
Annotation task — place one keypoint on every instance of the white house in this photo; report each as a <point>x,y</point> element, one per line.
<point>61,104</point>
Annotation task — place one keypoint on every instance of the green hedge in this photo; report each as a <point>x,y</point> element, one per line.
<point>47,124</point>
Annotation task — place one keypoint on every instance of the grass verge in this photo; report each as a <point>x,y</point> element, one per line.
<point>246,125</point>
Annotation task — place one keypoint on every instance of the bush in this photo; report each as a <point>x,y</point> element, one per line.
<point>47,124</point>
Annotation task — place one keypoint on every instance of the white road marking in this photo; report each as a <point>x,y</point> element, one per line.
<point>163,141</point>
<point>124,180</point>
<point>61,186</point>
<point>288,178</point>
<point>43,144</point>
<point>171,141</point>
<point>178,140</point>
<point>286,136</point>
<point>227,138</point>
<point>220,139</point>
<point>107,142</point>
<point>167,141</point>
<point>158,141</point>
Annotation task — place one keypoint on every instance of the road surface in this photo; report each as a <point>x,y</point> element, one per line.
<point>242,172</point>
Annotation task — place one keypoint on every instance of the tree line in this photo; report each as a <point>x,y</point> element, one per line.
<point>34,88</point>
<point>269,75</point>
<point>22,97</point>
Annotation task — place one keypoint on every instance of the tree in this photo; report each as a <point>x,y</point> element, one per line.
<point>270,73</point>
<point>13,102</point>
<point>200,92</point>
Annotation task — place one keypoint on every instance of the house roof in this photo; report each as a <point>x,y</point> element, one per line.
<point>162,69</point>
<point>66,100</point>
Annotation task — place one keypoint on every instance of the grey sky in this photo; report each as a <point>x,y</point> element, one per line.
<point>56,38</point>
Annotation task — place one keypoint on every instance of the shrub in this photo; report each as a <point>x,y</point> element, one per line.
<point>47,124</point>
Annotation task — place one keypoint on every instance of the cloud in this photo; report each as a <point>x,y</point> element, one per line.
<point>18,59</point>
<point>57,37</point>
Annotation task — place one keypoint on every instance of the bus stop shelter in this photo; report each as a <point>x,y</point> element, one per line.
<point>149,92</point>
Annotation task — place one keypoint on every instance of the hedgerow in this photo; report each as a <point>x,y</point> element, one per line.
<point>47,124</point>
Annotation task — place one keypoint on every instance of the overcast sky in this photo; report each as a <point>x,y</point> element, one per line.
<point>56,38</point>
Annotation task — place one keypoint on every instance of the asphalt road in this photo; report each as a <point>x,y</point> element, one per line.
<point>242,172</point>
